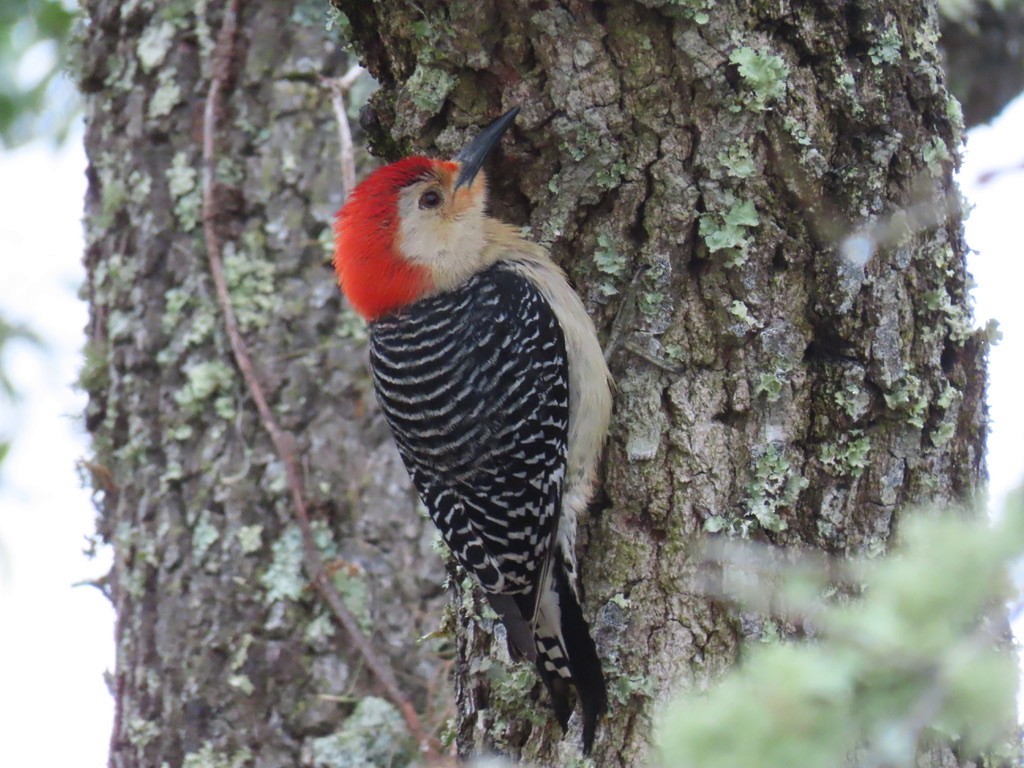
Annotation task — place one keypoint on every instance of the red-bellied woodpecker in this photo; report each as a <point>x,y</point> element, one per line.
<point>490,374</point>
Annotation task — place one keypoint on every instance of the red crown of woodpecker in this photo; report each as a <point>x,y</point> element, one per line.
<point>373,273</point>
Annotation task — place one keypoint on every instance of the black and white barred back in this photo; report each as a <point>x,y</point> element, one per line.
<point>474,384</point>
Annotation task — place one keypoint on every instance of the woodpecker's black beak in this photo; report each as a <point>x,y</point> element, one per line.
<point>473,155</point>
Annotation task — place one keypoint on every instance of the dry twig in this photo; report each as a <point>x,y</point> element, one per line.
<point>339,88</point>
<point>284,443</point>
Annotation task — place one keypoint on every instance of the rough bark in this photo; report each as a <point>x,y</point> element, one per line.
<point>762,194</point>
<point>225,655</point>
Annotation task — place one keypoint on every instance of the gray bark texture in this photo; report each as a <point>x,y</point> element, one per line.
<point>756,202</point>
<point>225,655</point>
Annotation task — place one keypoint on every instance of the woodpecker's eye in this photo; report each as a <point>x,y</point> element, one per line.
<point>430,199</point>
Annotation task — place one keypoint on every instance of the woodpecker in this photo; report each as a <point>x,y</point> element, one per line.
<point>490,374</point>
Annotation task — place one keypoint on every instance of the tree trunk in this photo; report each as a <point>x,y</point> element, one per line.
<point>225,655</point>
<point>762,195</point>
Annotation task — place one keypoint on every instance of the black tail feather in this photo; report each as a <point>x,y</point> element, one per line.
<point>517,629</point>
<point>584,664</point>
<point>558,689</point>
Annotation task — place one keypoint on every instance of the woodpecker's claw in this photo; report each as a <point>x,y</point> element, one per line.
<point>473,155</point>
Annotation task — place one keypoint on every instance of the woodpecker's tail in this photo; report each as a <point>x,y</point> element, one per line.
<point>566,654</point>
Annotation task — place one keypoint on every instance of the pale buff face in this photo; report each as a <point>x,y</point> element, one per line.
<point>442,229</point>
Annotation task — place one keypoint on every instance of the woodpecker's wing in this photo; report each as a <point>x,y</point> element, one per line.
<point>474,384</point>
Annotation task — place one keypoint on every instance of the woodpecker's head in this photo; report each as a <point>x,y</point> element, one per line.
<point>415,227</point>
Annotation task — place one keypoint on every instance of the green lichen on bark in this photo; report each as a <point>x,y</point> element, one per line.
<point>189,489</point>
<point>745,186</point>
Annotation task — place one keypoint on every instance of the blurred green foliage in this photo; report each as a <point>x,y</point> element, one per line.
<point>11,332</point>
<point>921,655</point>
<point>961,9</point>
<point>36,96</point>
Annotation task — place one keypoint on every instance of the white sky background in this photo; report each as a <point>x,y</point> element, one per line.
<point>997,264</point>
<point>56,640</point>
